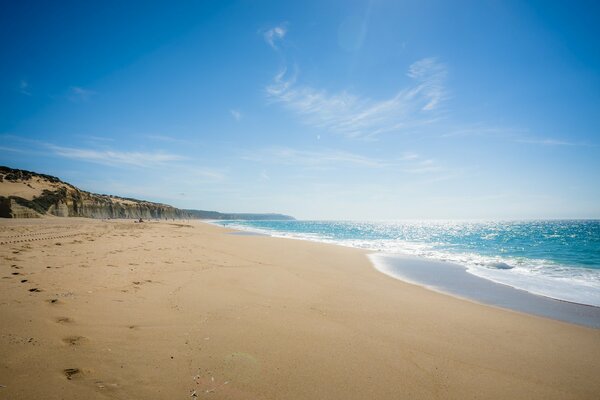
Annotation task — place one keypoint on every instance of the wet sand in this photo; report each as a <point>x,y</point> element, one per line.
<point>447,277</point>
<point>116,309</point>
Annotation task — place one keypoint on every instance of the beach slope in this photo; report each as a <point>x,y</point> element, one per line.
<point>167,310</point>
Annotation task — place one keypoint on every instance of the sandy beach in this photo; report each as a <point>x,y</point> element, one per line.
<point>174,310</point>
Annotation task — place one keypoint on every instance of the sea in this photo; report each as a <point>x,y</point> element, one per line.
<point>559,259</point>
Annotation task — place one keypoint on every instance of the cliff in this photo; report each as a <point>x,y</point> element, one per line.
<point>26,194</point>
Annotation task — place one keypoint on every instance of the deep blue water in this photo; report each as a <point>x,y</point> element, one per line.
<point>559,259</point>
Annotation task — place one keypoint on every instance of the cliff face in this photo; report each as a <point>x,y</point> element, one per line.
<point>25,194</point>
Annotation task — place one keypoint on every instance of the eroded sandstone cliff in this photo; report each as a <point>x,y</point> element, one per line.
<point>26,194</point>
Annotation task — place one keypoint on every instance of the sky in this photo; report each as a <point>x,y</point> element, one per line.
<point>317,109</point>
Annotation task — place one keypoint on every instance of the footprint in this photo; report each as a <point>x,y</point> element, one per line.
<point>53,301</point>
<point>36,290</point>
<point>70,372</point>
<point>23,280</point>
<point>74,340</point>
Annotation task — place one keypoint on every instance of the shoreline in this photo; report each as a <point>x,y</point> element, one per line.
<point>545,305</point>
<point>454,280</point>
<point>168,309</point>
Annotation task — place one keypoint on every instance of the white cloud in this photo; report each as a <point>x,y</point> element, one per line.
<point>24,87</point>
<point>413,163</point>
<point>118,158</point>
<point>423,167</point>
<point>236,114</point>
<point>517,135</point>
<point>430,76</point>
<point>169,139</point>
<point>360,117</point>
<point>13,150</point>
<point>264,176</point>
<point>550,142</point>
<point>410,163</point>
<point>93,138</point>
<point>203,173</point>
<point>315,159</point>
<point>407,156</point>
<point>480,129</point>
<point>79,94</point>
<point>275,34</point>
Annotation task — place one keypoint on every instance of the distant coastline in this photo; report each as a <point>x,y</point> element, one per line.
<point>27,194</point>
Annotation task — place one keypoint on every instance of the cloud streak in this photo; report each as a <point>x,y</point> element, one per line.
<point>312,159</point>
<point>409,163</point>
<point>78,94</point>
<point>551,142</point>
<point>274,35</point>
<point>236,114</point>
<point>418,166</point>
<point>116,158</point>
<point>511,134</point>
<point>24,88</point>
<point>355,116</point>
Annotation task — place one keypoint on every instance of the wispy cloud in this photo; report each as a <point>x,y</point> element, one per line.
<point>115,158</point>
<point>78,94</point>
<point>414,163</point>
<point>24,88</point>
<point>169,139</point>
<point>408,162</point>
<point>179,167</point>
<point>360,117</point>
<point>422,167</point>
<point>429,75</point>
<point>275,34</point>
<point>480,129</point>
<point>202,173</point>
<point>236,114</point>
<point>313,159</point>
<point>516,135</point>
<point>95,140</point>
<point>13,150</point>
<point>407,156</point>
<point>551,142</point>
<point>264,177</point>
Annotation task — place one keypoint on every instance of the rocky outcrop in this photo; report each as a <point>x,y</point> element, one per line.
<point>9,208</point>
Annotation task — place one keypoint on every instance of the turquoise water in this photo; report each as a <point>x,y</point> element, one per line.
<point>559,259</point>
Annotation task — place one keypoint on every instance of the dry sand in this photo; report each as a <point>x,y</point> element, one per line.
<point>176,310</point>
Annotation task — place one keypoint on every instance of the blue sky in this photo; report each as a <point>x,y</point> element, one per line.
<point>325,109</point>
